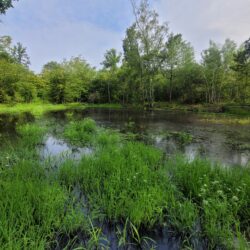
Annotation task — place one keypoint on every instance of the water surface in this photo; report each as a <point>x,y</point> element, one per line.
<point>227,144</point>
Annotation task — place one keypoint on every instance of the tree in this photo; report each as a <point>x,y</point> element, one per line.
<point>5,48</point>
<point>19,54</point>
<point>56,79</point>
<point>17,83</point>
<point>68,81</point>
<point>6,4</point>
<point>150,35</point>
<point>212,71</point>
<point>242,68</point>
<point>132,70</point>
<point>176,54</point>
<point>80,75</point>
<point>111,59</point>
<point>228,86</point>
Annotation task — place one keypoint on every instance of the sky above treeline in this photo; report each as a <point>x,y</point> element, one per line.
<point>58,29</point>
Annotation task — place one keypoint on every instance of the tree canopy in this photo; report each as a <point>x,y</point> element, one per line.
<point>5,4</point>
<point>156,65</point>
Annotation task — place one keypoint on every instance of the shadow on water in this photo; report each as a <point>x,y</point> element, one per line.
<point>8,122</point>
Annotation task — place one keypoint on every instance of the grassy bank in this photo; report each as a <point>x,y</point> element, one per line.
<point>38,109</point>
<point>125,185</point>
<point>213,113</point>
<point>233,109</point>
<point>220,114</point>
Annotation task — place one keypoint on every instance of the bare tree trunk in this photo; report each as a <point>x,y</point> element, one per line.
<point>109,98</point>
<point>171,85</point>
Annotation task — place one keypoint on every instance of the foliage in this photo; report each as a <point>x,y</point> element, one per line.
<point>5,4</point>
<point>156,66</point>
<point>68,81</point>
<point>17,83</point>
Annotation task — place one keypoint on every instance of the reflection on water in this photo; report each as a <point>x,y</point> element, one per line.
<point>59,149</point>
<point>216,142</point>
<point>213,141</point>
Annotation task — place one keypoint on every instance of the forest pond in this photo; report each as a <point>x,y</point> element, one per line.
<point>173,132</point>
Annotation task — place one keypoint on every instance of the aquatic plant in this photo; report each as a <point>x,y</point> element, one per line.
<point>127,184</point>
<point>82,132</point>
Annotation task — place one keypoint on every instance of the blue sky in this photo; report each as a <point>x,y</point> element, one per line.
<point>57,29</point>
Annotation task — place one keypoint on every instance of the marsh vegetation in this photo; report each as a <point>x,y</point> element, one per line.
<point>109,185</point>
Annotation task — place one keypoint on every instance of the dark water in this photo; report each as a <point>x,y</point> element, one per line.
<point>228,144</point>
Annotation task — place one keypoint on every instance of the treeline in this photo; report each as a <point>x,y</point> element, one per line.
<point>155,66</point>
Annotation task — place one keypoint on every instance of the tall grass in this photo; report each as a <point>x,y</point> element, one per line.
<point>132,181</point>
<point>221,194</point>
<point>34,208</point>
<point>126,184</point>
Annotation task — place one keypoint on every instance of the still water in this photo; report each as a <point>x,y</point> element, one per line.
<point>227,144</point>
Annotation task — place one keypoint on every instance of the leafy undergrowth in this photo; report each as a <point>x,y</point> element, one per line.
<point>126,184</point>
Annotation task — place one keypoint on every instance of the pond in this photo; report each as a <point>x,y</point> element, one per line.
<point>173,132</point>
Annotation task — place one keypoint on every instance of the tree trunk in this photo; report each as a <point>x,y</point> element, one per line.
<point>171,84</point>
<point>109,98</point>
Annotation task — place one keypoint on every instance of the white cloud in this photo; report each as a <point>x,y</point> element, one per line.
<point>65,40</point>
<point>51,31</point>
<point>57,29</point>
<point>202,20</point>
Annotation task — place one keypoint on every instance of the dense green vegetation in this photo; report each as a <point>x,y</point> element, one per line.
<point>122,183</point>
<point>160,65</point>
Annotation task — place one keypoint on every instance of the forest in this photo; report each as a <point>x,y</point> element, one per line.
<point>159,64</point>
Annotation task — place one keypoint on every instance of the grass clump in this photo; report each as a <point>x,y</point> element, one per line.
<point>86,133</point>
<point>32,208</point>
<point>123,183</point>
<point>129,185</point>
<point>82,132</point>
<point>31,134</point>
<point>222,196</point>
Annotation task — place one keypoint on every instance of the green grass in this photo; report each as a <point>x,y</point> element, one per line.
<point>131,181</point>
<point>212,113</point>
<point>38,109</point>
<point>124,183</point>
<point>225,119</point>
<point>34,208</point>
<point>221,194</point>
